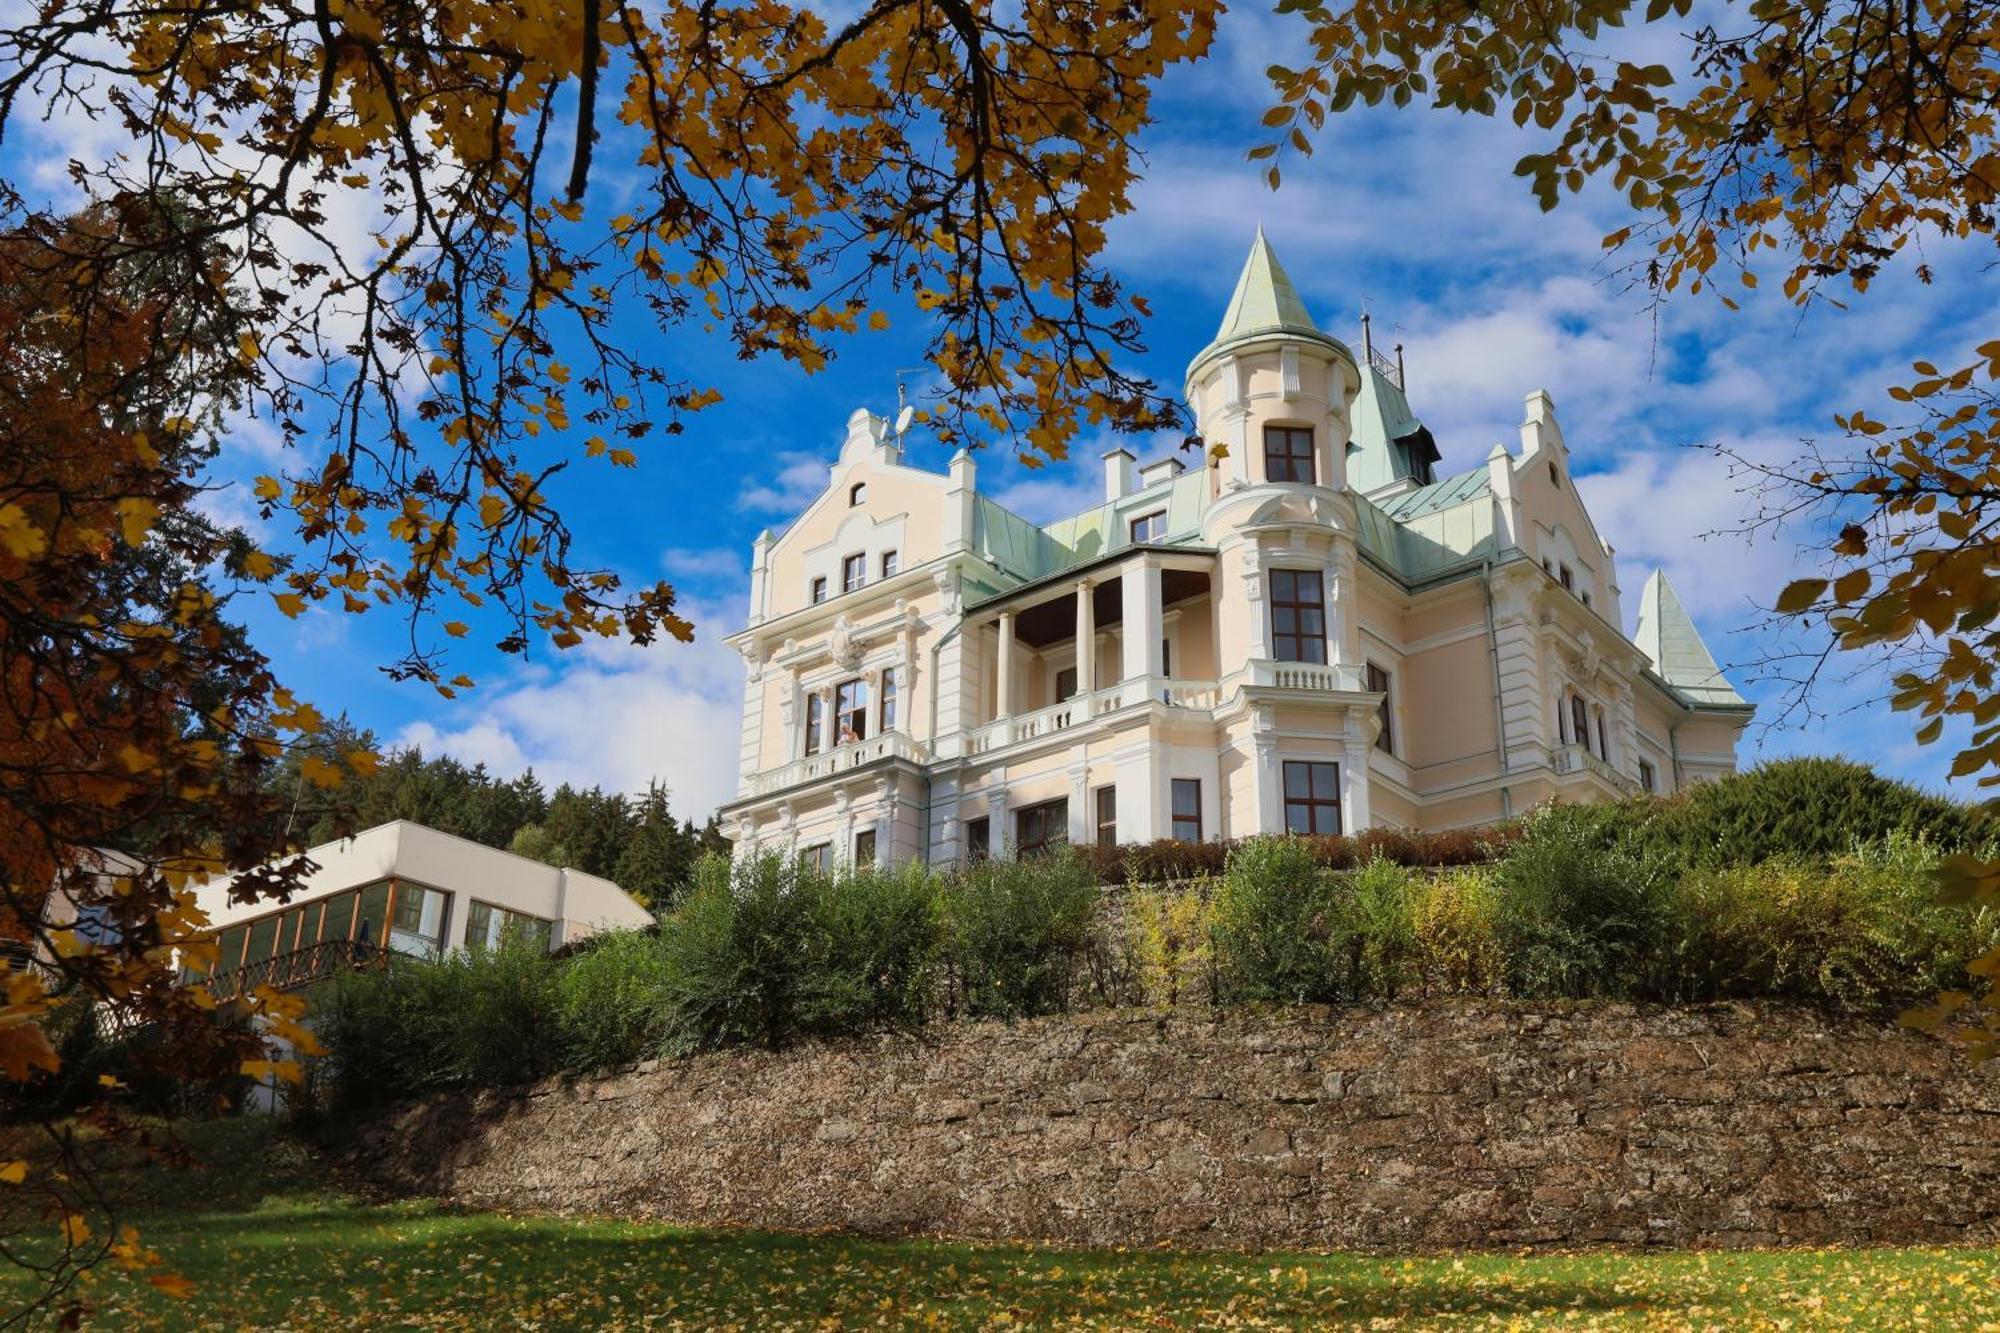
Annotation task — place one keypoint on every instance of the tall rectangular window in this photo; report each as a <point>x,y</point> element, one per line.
<point>1579,720</point>
<point>815,723</point>
<point>1107,816</point>
<point>1603,743</point>
<point>853,571</point>
<point>1187,810</point>
<point>418,926</point>
<point>1149,527</point>
<point>888,563</point>
<point>1041,828</point>
<point>1288,453</point>
<point>978,838</point>
<point>819,856</point>
<point>1378,683</point>
<point>864,847</point>
<point>1298,616</point>
<point>819,590</point>
<point>1312,797</point>
<point>1065,684</point>
<point>850,711</point>
<point>1647,782</point>
<point>888,699</point>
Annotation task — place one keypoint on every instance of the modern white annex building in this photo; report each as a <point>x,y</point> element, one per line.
<point>1313,633</point>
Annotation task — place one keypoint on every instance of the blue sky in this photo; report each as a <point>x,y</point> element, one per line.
<point>1414,215</point>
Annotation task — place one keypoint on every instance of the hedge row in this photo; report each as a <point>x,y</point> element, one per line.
<point>1618,900</point>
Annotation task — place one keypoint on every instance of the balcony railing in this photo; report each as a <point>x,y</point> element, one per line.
<point>1081,708</point>
<point>1572,760</point>
<point>1322,676</point>
<point>302,967</point>
<point>888,745</point>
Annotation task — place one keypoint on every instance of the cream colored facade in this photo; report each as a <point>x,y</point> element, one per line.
<point>1309,631</point>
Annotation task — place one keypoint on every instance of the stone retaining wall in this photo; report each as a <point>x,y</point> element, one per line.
<point>1468,1124</point>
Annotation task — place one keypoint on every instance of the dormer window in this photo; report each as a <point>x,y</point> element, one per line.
<point>1288,454</point>
<point>857,494</point>
<point>1567,577</point>
<point>1149,527</point>
<point>853,571</point>
<point>888,564</point>
<point>819,590</point>
<point>1555,477</point>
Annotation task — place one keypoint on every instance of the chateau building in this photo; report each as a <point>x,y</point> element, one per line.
<point>1311,632</point>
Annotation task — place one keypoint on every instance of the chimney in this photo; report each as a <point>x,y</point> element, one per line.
<point>1118,475</point>
<point>1160,470</point>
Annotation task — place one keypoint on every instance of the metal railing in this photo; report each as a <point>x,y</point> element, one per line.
<point>302,967</point>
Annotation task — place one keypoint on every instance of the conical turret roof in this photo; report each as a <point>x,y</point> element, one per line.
<point>1265,302</point>
<point>1667,635</point>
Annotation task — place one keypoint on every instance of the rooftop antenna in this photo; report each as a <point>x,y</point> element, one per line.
<point>1402,380</point>
<point>1367,342</point>
<point>905,412</point>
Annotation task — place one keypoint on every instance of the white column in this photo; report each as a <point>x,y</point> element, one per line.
<point>1266,777</point>
<point>1082,822</point>
<point>1141,580</point>
<point>1138,793</point>
<point>1343,616</point>
<point>996,821</point>
<point>1086,640</point>
<point>1003,698</point>
<point>1354,816</point>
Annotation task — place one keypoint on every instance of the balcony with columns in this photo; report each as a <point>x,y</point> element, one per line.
<point>1074,655</point>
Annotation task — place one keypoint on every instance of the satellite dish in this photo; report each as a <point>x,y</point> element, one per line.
<point>904,418</point>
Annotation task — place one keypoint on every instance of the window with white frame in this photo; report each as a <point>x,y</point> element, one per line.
<point>888,709</point>
<point>1149,527</point>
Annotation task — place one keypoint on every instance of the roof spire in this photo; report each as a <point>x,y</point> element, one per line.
<point>1667,635</point>
<point>1265,299</point>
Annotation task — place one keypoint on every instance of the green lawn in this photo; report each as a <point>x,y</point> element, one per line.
<point>271,1245</point>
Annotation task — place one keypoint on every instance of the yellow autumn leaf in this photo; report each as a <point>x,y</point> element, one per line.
<point>136,518</point>
<point>19,537</point>
<point>14,1172</point>
<point>290,603</point>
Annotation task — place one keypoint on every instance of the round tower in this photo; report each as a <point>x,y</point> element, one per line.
<point>1273,389</point>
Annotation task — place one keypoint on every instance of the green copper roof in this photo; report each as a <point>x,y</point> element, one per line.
<point>1438,495</point>
<point>1667,635</point>
<point>1265,299</point>
<point>1431,530</point>
<point>1265,302</point>
<point>1387,443</point>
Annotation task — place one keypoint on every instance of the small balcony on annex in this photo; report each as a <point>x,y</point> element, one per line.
<point>1058,654</point>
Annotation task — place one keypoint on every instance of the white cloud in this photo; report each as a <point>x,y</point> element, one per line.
<point>611,715</point>
<point>699,564</point>
<point>796,481</point>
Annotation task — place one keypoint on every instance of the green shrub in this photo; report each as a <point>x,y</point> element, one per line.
<point>611,1001</point>
<point>1167,938</point>
<point>1578,914</point>
<point>1280,928</point>
<point>1801,807</point>
<point>1018,931</point>
<point>1862,933</point>
<point>737,952</point>
<point>1454,937</point>
<point>876,952</point>
<point>1382,949</point>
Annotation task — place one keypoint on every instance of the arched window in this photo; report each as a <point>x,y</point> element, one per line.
<point>857,494</point>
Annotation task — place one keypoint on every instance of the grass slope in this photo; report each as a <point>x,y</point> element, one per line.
<point>273,1245</point>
